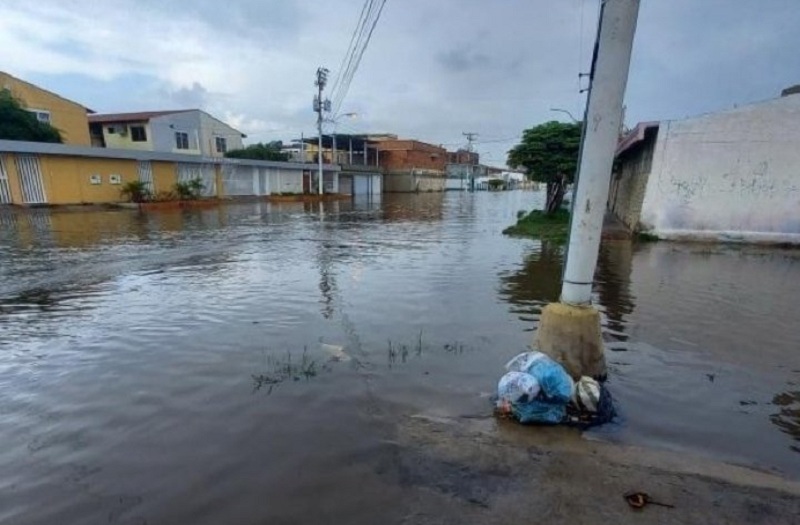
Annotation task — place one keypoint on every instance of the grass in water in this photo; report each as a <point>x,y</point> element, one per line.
<point>646,237</point>
<point>537,224</point>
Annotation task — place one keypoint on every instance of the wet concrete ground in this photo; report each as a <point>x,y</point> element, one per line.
<point>169,368</point>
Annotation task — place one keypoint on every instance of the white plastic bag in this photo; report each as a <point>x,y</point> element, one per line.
<point>523,361</point>
<point>517,387</point>
<point>586,394</point>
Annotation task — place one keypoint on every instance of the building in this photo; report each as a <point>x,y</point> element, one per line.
<point>356,156</point>
<point>411,165</point>
<point>463,156</point>
<point>731,175</point>
<point>33,173</point>
<point>463,167</point>
<point>191,131</point>
<point>69,117</point>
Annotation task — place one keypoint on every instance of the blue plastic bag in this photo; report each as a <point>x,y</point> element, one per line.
<point>556,385</point>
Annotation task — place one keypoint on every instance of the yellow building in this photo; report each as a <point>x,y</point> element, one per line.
<point>69,117</point>
<point>38,173</point>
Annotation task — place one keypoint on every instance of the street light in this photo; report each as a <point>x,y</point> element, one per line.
<point>559,110</point>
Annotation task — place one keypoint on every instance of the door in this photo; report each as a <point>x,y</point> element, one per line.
<point>204,172</point>
<point>146,175</point>
<point>30,179</point>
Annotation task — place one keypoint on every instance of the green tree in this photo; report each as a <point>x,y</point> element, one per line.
<point>260,151</point>
<point>549,153</point>
<point>16,123</point>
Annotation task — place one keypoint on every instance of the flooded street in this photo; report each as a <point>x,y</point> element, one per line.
<point>230,365</point>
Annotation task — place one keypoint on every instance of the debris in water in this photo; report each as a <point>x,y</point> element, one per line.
<point>638,500</point>
<point>336,352</point>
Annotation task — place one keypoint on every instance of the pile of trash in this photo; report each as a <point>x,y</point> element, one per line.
<point>537,389</point>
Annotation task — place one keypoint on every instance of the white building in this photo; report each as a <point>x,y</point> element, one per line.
<point>191,131</point>
<point>731,176</point>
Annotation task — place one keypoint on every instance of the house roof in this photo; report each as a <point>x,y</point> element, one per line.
<point>40,88</point>
<point>133,117</point>
<point>635,136</point>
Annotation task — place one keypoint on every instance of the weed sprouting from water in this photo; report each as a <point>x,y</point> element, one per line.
<point>281,369</point>
<point>455,347</point>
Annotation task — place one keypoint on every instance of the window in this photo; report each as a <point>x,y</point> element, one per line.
<point>181,140</point>
<point>111,130</point>
<point>41,115</point>
<point>138,134</point>
<point>222,145</point>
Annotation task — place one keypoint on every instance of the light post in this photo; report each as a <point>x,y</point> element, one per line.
<point>335,121</point>
<point>559,110</point>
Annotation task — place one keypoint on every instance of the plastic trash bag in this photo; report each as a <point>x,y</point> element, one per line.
<point>586,396</point>
<point>523,361</point>
<point>517,387</point>
<point>556,384</point>
<point>555,389</point>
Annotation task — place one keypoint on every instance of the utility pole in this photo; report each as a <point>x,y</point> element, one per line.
<point>320,105</point>
<point>569,331</point>
<point>471,136</point>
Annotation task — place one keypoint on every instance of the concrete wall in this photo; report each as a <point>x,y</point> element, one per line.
<point>67,116</point>
<point>418,181</point>
<point>165,127</point>
<point>119,136</point>
<point>733,175</point>
<point>210,128</point>
<point>629,183</point>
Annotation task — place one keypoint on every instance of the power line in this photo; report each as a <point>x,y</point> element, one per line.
<point>357,56</point>
<point>361,20</point>
<point>356,40</point>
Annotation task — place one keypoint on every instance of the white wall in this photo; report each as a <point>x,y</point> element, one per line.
<point>210,128</point>
<point>733,175</point>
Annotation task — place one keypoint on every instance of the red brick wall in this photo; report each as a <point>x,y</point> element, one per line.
<point>402,155</point>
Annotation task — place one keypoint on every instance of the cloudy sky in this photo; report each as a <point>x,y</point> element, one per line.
<point>434,68</point>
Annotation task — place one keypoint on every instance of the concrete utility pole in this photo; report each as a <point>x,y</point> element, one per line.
<point>320,105</point>
<point>471,136</point>
<point>569,331</point>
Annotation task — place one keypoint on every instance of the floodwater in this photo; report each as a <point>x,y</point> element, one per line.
<point>243,364</point>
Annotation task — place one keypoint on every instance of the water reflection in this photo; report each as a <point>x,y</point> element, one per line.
<point>537,283</point>
<point>613,285</point>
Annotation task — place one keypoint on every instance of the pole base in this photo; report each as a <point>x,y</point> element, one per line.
<point>571,336</point>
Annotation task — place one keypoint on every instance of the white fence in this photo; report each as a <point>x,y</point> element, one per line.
<point>30,178</point>
<point>5,190</point>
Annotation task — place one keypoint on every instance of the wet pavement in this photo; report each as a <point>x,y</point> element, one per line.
<point>250,364</point>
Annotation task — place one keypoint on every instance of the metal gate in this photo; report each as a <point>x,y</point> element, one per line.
<point>30,179</point>
<point>146,175</point>
<point>5,190</point>
<point>205,172</point>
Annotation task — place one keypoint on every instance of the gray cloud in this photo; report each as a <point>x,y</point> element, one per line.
<point>459,60</point>
<point>195,96</point>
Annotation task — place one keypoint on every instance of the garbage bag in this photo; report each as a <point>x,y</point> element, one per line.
<point>583,419</point>
<point>555,389</point>
<point>555,383</point>
<point>517,387</point>
<point>539,411</point>
<point>587,394</point>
